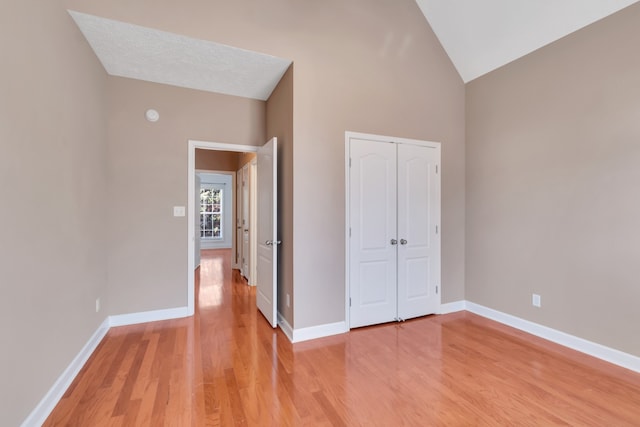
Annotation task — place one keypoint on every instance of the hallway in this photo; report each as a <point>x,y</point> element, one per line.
<point>226,366</point>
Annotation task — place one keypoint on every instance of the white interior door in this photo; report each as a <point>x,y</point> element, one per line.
<point>238,253</point>
<point>253,225</point>
<point>267,242</point>
<point>418,249</point>
<point>196,214</point>
<point>373,244</point>
<point>245,223</point>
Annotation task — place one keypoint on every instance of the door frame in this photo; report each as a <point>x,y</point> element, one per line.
<point>347,149</point>
<point>191,172</point>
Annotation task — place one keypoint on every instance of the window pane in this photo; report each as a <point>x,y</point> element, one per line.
<point>211,213</point>
<point>216,225</point>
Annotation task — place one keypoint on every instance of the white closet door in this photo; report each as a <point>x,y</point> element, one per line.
<point>373,229</point>
<point>418,248</point>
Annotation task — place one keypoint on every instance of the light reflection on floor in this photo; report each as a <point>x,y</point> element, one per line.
<point>211,284</point>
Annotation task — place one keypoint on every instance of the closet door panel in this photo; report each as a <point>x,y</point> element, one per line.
<point>418,249</point>
<point>372,208</point>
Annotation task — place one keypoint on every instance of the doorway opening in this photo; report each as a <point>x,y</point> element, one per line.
<point>266,218</point>
<point>193,214</point>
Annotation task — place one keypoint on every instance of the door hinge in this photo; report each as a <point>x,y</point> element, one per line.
<point>349,301</point>
<point>436,229</point>
<point>349,231</point>
<point>349,161</point>
<point>436,289</point>
<point>436,168</point>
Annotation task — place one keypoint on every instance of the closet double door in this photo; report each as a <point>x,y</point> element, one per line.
<point>394,236</point>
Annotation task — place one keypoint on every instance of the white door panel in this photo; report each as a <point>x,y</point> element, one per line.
<point>417,199</point>
<point>267,233</point>
<point>238,231</point>
<point>245,223</point>
<point>373,227</point>
<point>196,213</point>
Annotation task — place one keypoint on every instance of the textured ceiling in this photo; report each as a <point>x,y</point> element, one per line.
<point>141,53</point>
<point>482,35</point>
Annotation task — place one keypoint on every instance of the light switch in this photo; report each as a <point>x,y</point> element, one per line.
<point>178,211</point>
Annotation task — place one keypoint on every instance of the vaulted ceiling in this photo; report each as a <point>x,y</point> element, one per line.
<point>478,35</point>
<point>482,35</point>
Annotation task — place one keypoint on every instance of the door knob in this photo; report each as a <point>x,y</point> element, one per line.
<point>269,242</point>
<point>394,242</point>
<point>403,242</point>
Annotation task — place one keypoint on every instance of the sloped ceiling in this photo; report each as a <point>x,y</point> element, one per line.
<point>478,35</point>
<point>482,35</point>
<point>142,53</point>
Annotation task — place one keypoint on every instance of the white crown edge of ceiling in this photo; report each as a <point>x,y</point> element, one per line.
<point>483,49</point>
<point>133,51</point>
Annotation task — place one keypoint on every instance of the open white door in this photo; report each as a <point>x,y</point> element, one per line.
<point>267,212</point>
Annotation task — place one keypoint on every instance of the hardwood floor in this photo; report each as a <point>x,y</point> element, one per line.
<point>227,367</point>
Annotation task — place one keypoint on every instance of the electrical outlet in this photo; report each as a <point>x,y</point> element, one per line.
<point>535,300</point>
<point>97,305</point>
<point>288,301</point>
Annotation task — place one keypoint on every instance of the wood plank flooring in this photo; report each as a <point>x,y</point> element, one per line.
<point>226,367</point>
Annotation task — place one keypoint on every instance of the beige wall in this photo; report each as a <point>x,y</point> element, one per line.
<point>214,160</point>
<point>280,125</point>
<point>362,65</point>
<point>552,179</point>
<point>147,176</point>
<point>52,192</point>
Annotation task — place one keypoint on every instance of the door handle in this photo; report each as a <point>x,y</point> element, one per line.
<point>272,242</point>
<point>394,242</point>
<point>403,242</point>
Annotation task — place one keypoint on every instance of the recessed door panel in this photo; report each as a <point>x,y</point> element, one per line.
<point>370,272</point>
<point>417,270</point>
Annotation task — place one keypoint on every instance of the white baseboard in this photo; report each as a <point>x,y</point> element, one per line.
<point>599,351</point>
<point>310,333</point>
<point>320,331</point>
<point>148,316</point>
<point>285,326</point>
<point>39,415</point>
<point>452,307</point>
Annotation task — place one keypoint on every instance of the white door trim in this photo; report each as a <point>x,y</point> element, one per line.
<point>381,138</point>
<point>191,172</point>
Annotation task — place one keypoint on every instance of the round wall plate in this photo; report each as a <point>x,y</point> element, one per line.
<point>152,115</point>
